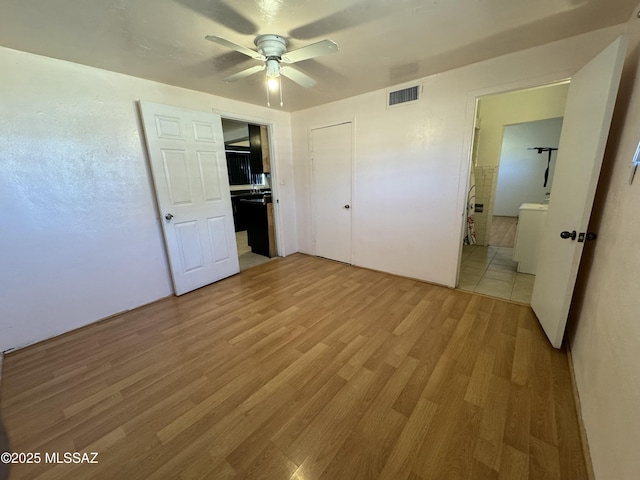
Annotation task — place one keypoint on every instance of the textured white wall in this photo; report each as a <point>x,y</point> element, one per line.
<point>411,162</point>
<point>496,111</point>
<point>80,238</point>
<point>521,171</point>
<point>605,319</point>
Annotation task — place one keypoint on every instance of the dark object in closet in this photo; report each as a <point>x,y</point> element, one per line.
<point>238,166</point>
<point>256,211</point>
<point>255,146</point>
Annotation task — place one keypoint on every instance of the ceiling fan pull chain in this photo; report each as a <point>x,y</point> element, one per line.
<point>268,102</point>
<point>280,88</point>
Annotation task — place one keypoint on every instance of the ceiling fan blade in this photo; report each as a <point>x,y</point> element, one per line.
<point>297,76</point>
<point>221,13</point>
<point>238,48</point>
<point>323,47</point>
<point>357,13</point>
<point>245,73</point>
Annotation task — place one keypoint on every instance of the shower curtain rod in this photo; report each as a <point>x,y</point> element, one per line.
<point>545,149</point>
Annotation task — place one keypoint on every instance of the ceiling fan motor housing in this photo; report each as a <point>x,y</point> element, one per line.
<point>271,45</point>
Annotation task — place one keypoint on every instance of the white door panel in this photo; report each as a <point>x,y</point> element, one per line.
<point>186,151</point>
<point>331,156</point>
<point>177,177</point>
<point>189,245</point>
<point>218,239</point>
<point>587,119</point>
<point>210,176</point>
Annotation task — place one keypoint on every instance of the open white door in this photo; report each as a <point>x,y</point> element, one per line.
<point>331,160</point>
<point>587,119</point>
<point>188,163</point>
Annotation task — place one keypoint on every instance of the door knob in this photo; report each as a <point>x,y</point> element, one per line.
<point>347,207</point>
<point>168,216</point>
<point>571,235</point>
<point>591,236</point>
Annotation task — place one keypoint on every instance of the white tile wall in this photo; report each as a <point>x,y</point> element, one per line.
<point>486,180</point>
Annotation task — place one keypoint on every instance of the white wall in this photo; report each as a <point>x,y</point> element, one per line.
<point>411,162</point>
<point>605,333</point>
<point>80,238</point>
<point>521,171</point>
<point>496,111</point>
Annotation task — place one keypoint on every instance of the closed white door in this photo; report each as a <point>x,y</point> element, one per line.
<point>587,119</point>
<point>186,152</point>
<point>331,157</point>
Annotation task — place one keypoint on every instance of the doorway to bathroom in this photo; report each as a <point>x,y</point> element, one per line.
<point>508,179</point>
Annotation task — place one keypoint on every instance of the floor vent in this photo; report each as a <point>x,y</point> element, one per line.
<point>406,95</point>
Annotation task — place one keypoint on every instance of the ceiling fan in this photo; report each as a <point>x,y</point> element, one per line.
<point>272,50</point>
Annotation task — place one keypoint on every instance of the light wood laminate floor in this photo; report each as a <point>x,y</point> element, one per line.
<point>300,368</point>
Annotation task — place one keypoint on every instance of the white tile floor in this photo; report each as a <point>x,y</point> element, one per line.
<point>246,257</point>
<point>491,271</point>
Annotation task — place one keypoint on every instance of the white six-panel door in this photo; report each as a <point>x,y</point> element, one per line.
<point>188,163</point>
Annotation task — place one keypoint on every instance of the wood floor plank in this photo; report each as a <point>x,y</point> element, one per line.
<point>522,359</point>
<point>544,460</point>
<point>505,351</point>
<point>381,407</point>
<point>516,429</point>
<point>480,382</point>
<point>543,412</point>
<point>300,368</point>
<point>363,457</point>
<point>458,459</point>
<point>451,417</point>
<point>288,423</point>
<point>405,453</point>
<point>514,464</point>
<point>331,421</point>
<point>269,464</point>
<point>571,453</point>
<point>480,471</point>
<point>409,395</point>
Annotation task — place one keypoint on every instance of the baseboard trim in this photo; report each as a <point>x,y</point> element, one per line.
<point>576,399</point>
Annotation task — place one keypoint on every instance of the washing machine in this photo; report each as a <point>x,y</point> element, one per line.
<point>531,220</point>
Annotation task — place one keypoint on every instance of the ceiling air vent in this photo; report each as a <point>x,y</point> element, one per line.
<point>404,96</point>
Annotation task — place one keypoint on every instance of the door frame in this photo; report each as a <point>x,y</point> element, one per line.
<point>473,98</point>
<point>280,240</point>
<point>311,183</point>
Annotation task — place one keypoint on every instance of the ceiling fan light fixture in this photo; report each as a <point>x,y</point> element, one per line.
<point>272,50</point>
<point>273,78</point>
<point>273,68</point>
<point>273,83</point>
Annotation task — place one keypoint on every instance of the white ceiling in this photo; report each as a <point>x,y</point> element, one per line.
<point>381,42</point>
